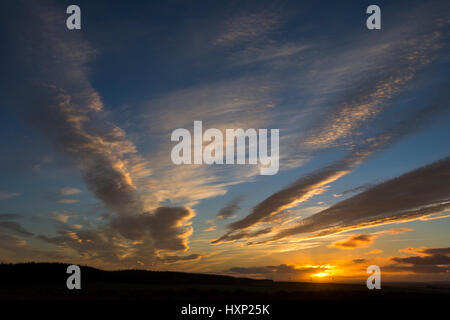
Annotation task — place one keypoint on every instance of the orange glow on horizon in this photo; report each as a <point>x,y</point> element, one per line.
<point>321,274</point>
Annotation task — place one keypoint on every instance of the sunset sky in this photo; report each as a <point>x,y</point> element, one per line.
<point>87,115</point>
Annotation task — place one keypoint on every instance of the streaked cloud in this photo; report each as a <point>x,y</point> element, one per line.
<point>14,227</point>
<point>413,195</point>
<point>365,87</point>
<point>62,217</point>
<point>210,228</point>
<point>68,201</point>
<point>11,242</point>
<point>356,241</point>
<point>357,261</point>
<point>8,195</point>
<point>67,110</point>
<point>433,260</point>
<point>247,26</point>
<point>364,240</point>
<point>354,190</point>
<point>315,183</point>
<point>67,191</point>
<point>243,102</point>
<point>230,208</point>
<point>423,251</point>
<point>168,227</point>
<point>174,259</point>
<point>269,53</point>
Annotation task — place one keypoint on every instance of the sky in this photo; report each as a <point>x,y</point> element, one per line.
<point>364,170</point>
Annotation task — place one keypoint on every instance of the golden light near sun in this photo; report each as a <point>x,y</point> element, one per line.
<point>320,274</point>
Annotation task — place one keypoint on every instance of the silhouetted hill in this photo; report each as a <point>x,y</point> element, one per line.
<point>27,273</point>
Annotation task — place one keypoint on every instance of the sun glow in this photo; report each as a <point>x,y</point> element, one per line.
<point>320,274</point>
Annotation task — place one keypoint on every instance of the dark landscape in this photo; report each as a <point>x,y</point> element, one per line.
<point>44,281</point>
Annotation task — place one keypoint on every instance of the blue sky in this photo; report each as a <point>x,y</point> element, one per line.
<point>92,111</point>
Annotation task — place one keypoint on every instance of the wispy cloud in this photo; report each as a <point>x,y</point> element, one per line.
<point>61,217</point>
<point>210,228</point>
<point>413,195</point>
<point>364,240</point>
<point>269,53</point>
<point>354,190</point>
<point>8,195</point>
<point>14,227</point>
<point>168,227</point>
<point>315,183</point>
<point>68,201</point>
<point>230,208</point>
<point>67,191</point>
<point>356,241</point>
<point>174,259</point>
<point>241,102</point>
<point>297,192</point>
<point>433,260</point>
<point>427,251</point>
<point>69,112</point>
<point>247,26</point>
<point>357,91</point>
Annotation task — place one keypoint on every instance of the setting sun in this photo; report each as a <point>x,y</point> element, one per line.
<point>320,274</point>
